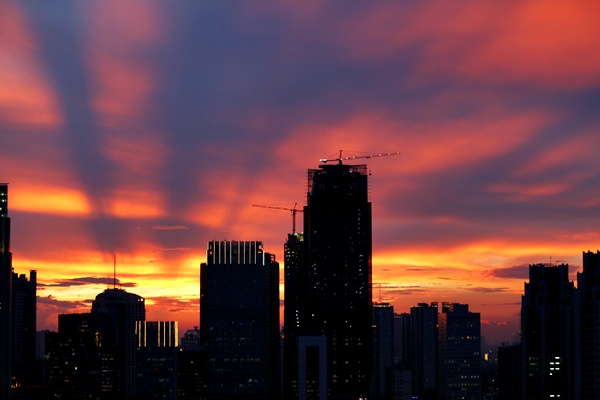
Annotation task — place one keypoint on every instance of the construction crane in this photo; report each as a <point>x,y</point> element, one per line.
<point>340,158</point>
<point>294,210</point>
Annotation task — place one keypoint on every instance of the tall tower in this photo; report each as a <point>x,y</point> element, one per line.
<point>5,295</point>
<point>120,310</point>
<point>239,321</point>
<point>459,349</point>
<point>337,230</point>
<point>23,328</point>
<point>383,348</point>
<point>547,327</point>
<point>423,350</point>
<point>294,313</point>
<point>588,316</point>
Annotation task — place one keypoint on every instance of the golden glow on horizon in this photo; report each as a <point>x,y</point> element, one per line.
<point>49,200</point>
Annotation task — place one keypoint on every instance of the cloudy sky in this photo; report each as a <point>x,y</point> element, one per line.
<point>147,128</point>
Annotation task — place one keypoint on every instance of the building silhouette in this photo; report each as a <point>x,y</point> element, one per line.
<point>422,357</point>
<point>337,231</point>
<point>5,295</point>
<point>239,321</point>
<point>383,349</point>
<point>156,366</point>
<point>119,311</point>
<point>75,362</point>
<point>548,333</point>
<point>588,322</point>
<point>510,368</point>
<point>23,316</point>
<point>295,296</point>
<point>459,353</point>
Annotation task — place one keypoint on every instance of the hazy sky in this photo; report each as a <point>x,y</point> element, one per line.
<point>147,128</point>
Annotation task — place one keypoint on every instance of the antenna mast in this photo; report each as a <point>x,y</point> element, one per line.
<point>115,271</point>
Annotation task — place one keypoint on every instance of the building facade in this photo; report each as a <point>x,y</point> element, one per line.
<point>239,321</point>
<point>337,231</point>
<point>588,321</point>
<point>23,316</point>
<point>459,350</point>
<point>383,349</point>
<point>119,312</point>
<point>294,317</point>
<point>423,356</point>
<point>5,295</point>
<point>548,333</point>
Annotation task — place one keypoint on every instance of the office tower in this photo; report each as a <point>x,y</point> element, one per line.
<point>156,360</point>
<point>423,350</point>
<point>337,231</point>
<point>509,372</point>
<point>239,321</point>
<point>588,320</point>
<point>5,295</point>
<point>23,330</point>
<point>548,333</point>
<point>401,339</point>
<point>295,295</point>
<point>383,348</point>
<point>459,349</point>
<point>74,359</point>
<point>190,367</point>
<point>120,310</point>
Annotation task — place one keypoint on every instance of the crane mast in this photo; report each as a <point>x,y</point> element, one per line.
<point>293,210</point>
<point>341,158</point>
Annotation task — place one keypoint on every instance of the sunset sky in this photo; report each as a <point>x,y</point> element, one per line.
<point>147,128</point>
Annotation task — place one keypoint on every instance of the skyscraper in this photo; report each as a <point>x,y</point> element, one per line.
<point>5,295</point>
<point>239,321</point>
<point>294,313</point>
<point>383,348</point>
<point>337,230</point>
<point>23,329</point>
<point>459,349</point>
<point>423,347</point>
<point>120,310</point>
<point>588,319</point>
<point>547,327</point>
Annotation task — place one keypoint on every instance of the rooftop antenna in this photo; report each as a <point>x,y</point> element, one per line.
<point>115,271</point>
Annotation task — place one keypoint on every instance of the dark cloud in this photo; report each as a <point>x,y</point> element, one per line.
<point>89,280</point>
<point>488,289</point>
<point>51,301</point>
<point>515,272</point>
<point>170,227</point>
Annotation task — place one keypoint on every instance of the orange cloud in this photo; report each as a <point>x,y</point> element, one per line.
<point>26,97</point>
<point>40,198</point>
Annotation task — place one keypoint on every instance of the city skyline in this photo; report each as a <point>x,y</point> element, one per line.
<point>146,130</point>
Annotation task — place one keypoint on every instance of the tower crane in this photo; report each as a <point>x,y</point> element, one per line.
<point>294,210</point>
<point>340,158</point>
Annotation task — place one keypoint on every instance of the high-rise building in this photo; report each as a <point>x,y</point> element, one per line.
<point>5,295</point>
<point>337,231</point>
<point>120,310</point>
<point>23,317</point>
<point>588,321</point>
<point>383,348</point>
<point>509,372</point>
<point>423,350</point>
<point>459,349</point>
<point>239,321</point>
<point>294,319</point>
<point>156,364</point>
<point>548,337</point>
<point>402,339</point>
<point>74,365</point>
